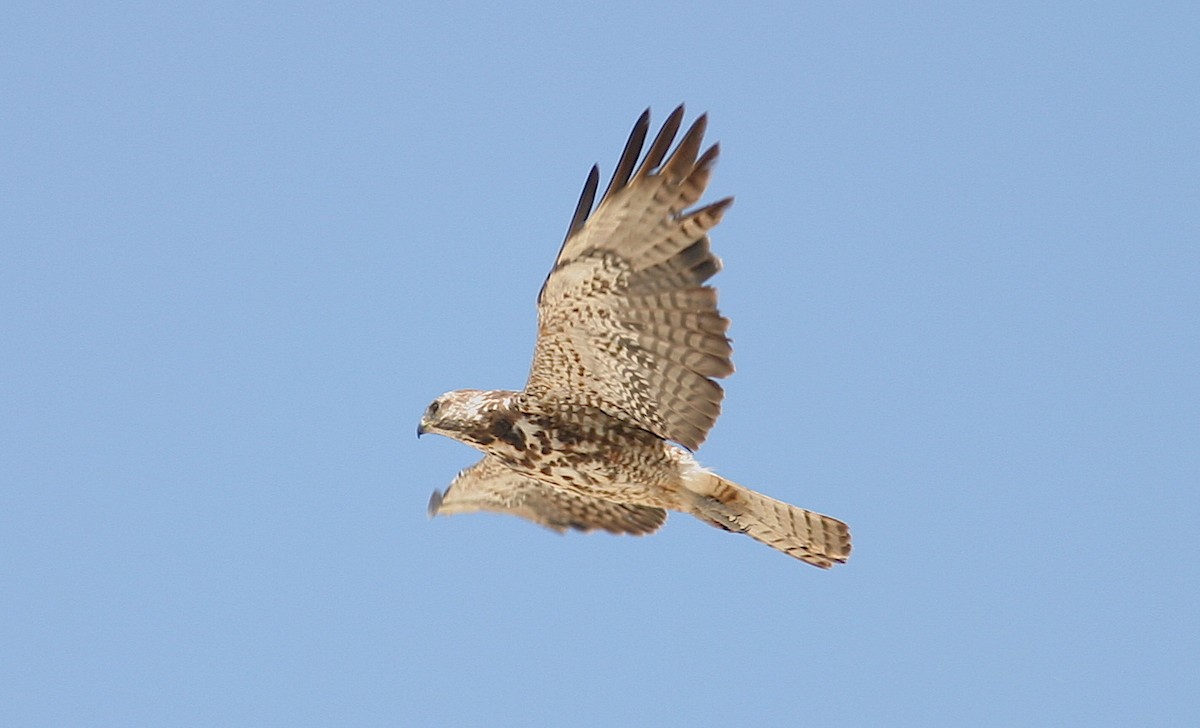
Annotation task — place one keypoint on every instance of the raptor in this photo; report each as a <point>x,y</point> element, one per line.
<point>623,385</point>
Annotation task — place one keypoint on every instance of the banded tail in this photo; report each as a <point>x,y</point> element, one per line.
<point>811,537</point>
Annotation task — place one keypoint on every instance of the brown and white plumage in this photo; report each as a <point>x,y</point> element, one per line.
<point>490,485</point>
<point>630,343</point>
<point>624,322</point>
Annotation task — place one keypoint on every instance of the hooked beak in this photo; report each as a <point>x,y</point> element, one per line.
<point>421,428</point>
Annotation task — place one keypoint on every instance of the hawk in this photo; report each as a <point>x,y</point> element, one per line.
<point>622,389</point>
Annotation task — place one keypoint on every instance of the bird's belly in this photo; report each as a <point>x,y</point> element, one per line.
<point>622,465</point>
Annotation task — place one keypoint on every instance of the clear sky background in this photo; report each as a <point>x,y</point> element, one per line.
<point>245,244</point>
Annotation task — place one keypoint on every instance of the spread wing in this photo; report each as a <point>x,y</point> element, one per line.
<point>489,485</point>
<point>625,323</point>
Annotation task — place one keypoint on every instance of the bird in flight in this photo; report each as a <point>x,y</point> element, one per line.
<point>622,389</point>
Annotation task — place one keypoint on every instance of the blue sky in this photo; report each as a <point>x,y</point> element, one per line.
<point>244,244</point>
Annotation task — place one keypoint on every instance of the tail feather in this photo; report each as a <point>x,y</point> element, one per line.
<point>811,537</point>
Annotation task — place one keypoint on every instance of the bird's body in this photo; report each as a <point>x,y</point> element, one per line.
<point>622,384</point>
<point>575,447</point>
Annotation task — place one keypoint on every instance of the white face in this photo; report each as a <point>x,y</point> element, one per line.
<point>459,411</point>
<point>447,410</point>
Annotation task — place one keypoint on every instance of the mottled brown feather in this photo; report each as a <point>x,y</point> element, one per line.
<point>625,323</point>
<point>490,485</point>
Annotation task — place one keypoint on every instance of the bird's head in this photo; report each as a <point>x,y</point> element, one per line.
<point>459,413</point>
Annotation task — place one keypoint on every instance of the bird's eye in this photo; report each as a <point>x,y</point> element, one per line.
<point>433,408</point>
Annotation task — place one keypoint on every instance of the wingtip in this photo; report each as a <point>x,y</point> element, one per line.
<point>435,503</point>
<point>708,159</point>
<point>676,115</point>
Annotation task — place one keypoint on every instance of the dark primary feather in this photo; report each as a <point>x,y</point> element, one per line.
<point>629,155</point>
<point>583,208</point>
<point>662,141</point>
